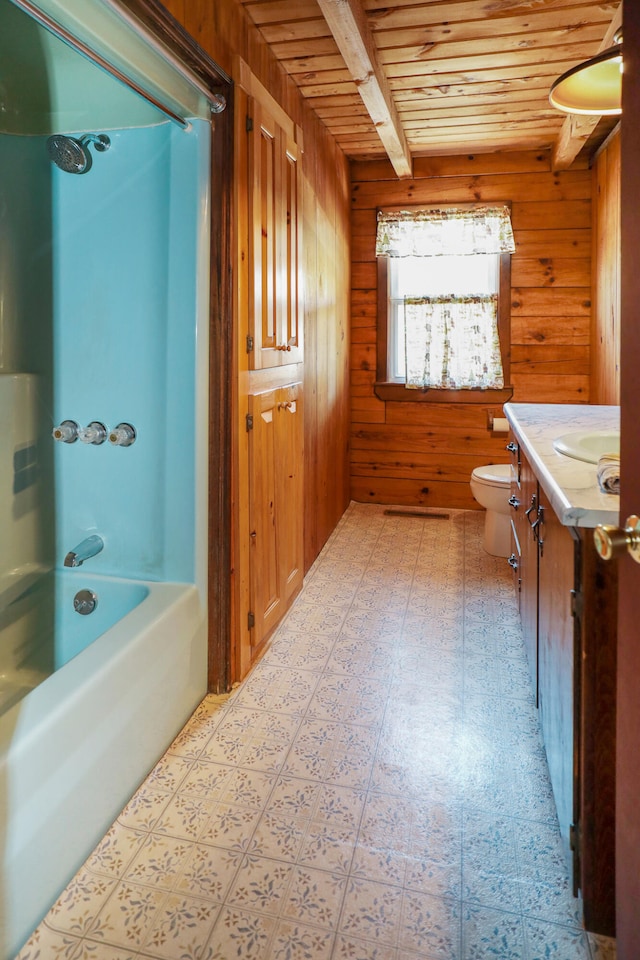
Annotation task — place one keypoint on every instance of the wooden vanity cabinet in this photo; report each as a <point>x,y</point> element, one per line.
<point>568,598</point>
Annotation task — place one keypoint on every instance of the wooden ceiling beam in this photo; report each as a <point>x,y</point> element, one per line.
<point>577,129</point>
<point>348,24</point>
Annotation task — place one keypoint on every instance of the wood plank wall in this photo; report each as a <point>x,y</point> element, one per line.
<point>223,29</point>
<point>605,336</point>
<point>423,453</point>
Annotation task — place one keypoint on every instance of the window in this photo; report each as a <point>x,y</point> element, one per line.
<point>442,325</point>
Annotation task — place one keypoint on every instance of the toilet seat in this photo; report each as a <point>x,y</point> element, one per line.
<point>493,475</point>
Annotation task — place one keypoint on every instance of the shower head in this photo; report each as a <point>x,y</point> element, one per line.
<point>73,155</point>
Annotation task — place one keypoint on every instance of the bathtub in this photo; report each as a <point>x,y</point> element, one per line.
<point>76,747</point>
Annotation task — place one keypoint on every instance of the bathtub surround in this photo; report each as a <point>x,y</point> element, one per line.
<point>128,353</point>
<point>105,290</point>
<point>376,788</point>
<point>75,748</point>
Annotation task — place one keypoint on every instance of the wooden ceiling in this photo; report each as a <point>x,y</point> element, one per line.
<point>406,79</point>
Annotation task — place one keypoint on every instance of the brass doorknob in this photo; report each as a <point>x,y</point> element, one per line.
<point>613,542</point>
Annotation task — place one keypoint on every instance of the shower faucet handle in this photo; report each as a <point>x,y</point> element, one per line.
<point>95,433</point>
<point>66,432</point>
<point>123,435</point>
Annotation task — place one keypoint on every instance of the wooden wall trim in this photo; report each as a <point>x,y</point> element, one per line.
<point>220,404</point>
<point>382,319</point>
<point>155,16</point>
<point>243,77</point>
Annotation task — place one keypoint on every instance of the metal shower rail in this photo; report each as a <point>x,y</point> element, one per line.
<point>63,34</point>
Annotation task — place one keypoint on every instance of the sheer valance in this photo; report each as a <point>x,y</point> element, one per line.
<point>452,343</point>
<point>448,232</point>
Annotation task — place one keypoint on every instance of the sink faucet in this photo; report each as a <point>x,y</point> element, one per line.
<point>88,548</point>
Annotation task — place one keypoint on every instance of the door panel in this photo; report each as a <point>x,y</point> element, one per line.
<point>628,695</point>
<point>275,505</point>
<point>264,182</point>
<point>292,325</point>
<point>266,599</point>
<point>275,228</point>
<point>290,461</point>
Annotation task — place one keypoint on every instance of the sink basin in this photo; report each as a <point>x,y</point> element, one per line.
<point>588,445</point>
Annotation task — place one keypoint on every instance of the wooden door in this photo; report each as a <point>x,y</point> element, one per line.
<point>275,506</point>
<point>265,579</point>
<point>595,616</point>
<point>628,693</point>
<point>275,227</point>
<point>557,663</point>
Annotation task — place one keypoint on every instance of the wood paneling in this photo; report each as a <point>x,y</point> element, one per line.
<point>410,492</point>
<point>225,32</point>
<point>605,359</point>
<point>424,452</point>
<point>464,77</point>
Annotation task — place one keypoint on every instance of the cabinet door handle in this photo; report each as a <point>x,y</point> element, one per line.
<point>534,506</point>
<point>515,503</point>
<point>536,529</point>
<point>512,446</point>
<point>513,561</point>
<point>283,346</point>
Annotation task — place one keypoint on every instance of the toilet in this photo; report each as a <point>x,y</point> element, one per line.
<point>490,486</point>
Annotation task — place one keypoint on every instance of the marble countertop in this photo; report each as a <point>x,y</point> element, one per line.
<point>571,485</point>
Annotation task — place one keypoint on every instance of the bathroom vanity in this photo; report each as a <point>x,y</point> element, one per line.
<point>568,599</point>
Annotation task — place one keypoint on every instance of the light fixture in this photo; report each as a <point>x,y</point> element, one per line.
<point>593,87</point>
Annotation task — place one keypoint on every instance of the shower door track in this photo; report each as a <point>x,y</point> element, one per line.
<point>63,34</point>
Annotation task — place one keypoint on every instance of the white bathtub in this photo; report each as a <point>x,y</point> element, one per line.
<point>76,747</point>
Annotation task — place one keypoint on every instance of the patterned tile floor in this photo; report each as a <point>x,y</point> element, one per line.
<point>376,789</point>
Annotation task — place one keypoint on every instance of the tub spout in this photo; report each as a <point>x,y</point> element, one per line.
<point>88,548</point>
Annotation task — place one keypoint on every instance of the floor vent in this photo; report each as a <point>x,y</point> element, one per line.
<point>422,514</point>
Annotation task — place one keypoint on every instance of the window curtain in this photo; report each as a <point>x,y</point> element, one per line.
<point>449,232</point>
<point>451,341</point>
